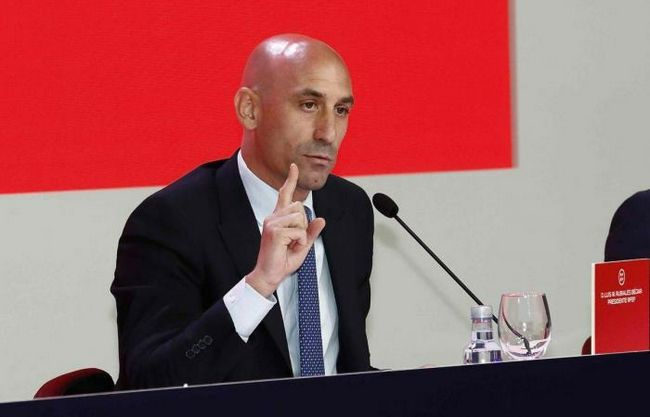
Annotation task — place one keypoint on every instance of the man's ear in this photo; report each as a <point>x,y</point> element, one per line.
<point>247,107</point>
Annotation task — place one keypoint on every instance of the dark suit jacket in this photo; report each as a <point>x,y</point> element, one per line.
<point>629,233</point>
<point>187,245</point>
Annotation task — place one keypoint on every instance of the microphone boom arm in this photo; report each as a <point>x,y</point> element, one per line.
<point>442,264</point>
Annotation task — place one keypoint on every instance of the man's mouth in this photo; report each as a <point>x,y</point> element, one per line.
<point>320,157</point>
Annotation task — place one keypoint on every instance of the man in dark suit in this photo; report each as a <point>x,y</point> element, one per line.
<point>221,276</point>
<point>629,232</point>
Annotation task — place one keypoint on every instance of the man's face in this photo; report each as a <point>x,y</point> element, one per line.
<point>303,120</point>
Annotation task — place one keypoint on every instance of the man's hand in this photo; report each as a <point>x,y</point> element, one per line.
<point>286,239</point>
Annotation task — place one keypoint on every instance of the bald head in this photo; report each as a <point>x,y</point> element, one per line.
<point>293,105</point>
<point>274,56</point>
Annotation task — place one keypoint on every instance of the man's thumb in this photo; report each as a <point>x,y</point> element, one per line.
<point>314,229</point>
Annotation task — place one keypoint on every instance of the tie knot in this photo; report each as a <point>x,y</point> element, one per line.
<point>310,216</point>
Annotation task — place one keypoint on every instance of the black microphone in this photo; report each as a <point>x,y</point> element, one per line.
<point>386,206</point>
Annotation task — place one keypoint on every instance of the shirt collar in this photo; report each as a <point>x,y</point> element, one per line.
<point>262,196</point>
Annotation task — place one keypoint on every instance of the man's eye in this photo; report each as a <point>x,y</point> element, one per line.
<point>309,105</point>
<point>342,111</point>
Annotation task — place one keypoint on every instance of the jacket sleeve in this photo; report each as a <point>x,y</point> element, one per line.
<point>167,334</point>
<point>629,232</point>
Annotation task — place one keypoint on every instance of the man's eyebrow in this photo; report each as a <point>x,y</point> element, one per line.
<point>310,92</point>
<point>347,100</point>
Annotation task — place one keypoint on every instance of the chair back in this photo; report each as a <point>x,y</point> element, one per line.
<point>81,381</point>
<point>586,347</point>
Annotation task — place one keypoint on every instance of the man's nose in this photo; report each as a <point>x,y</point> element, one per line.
<point>325,127</point>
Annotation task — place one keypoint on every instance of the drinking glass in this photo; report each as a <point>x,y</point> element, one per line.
<point>524,325</point>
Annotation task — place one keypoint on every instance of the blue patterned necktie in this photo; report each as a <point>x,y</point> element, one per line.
<point>311,345</point>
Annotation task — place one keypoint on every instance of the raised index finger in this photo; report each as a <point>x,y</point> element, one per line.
<point>285,196</point>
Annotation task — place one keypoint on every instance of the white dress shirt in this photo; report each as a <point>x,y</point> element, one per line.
<point>248,308</point>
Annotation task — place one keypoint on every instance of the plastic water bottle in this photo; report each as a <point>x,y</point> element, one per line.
<point>482,348</point>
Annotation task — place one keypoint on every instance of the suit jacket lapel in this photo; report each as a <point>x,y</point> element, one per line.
<point>334,235</point>
<point>241,236</point>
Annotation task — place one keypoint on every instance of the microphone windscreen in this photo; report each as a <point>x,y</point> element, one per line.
<point>385,205</point>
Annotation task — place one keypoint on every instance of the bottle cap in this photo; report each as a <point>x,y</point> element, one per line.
<point>481,312</point>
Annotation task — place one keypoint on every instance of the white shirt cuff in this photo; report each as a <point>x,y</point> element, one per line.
<point>247,307</point>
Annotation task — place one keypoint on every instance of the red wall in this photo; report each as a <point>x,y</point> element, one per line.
<point>111,94</point>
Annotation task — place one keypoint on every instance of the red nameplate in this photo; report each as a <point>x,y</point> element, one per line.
<point>620,317</point>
